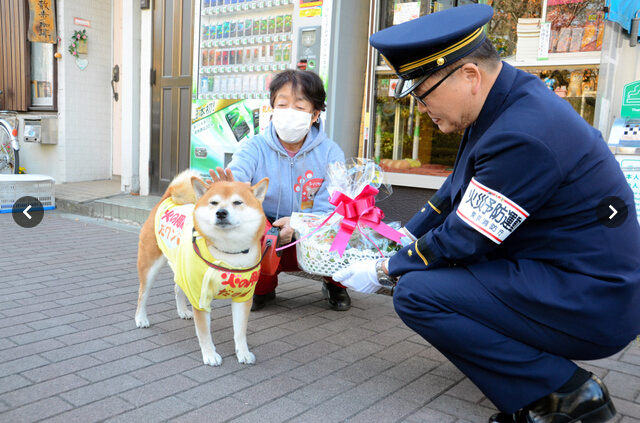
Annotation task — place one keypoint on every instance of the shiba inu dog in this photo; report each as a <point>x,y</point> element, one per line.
<point>210,235</point>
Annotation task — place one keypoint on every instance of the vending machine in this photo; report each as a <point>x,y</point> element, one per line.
<point>624,139</point>
<point>241,45</point>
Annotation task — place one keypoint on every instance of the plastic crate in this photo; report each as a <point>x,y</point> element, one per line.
<point>13,187</point>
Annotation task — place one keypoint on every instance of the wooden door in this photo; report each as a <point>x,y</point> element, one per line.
<point>171,91</point>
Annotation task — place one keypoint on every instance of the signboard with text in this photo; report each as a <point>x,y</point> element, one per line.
<point>631,100</point>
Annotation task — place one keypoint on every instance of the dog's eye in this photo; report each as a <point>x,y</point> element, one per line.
<point>237,203</point>
<point>214,203</point>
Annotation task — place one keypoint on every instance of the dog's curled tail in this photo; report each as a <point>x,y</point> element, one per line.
<point>181,189</point>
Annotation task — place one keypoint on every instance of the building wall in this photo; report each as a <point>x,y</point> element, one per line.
<point>83,151</point>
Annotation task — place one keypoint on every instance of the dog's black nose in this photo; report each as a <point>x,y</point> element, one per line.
<point>222,214</point>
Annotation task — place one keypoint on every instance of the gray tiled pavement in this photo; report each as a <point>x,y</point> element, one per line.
<point>70,351</point>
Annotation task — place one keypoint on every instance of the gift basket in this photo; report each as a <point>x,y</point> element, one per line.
<point>354,231</point>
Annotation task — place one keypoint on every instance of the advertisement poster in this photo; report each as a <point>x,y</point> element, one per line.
<point>404,12</point>
<point>219,126</point>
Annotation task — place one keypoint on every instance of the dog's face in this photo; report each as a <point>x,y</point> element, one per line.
<point>229,211</point>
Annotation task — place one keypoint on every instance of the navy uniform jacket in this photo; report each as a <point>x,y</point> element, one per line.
<point>535,242</point>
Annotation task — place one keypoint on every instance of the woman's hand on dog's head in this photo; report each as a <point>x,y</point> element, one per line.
<point>221,174</point>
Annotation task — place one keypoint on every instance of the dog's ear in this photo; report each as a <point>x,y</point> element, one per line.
<point>260,189</point>
<point>199,186</point>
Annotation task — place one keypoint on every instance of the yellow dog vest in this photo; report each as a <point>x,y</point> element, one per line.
<point>199,281</point>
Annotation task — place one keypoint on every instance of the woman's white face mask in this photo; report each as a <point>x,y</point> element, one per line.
<point>291,125</point>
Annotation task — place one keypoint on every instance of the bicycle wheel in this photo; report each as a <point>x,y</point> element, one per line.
<point>9,158</point>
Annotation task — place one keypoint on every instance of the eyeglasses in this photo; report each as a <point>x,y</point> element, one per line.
<point>421,97</point>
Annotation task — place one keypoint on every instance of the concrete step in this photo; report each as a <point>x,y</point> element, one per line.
<point>120,208</point>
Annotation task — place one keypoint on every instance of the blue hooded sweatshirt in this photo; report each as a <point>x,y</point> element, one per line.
<point>296,184</point>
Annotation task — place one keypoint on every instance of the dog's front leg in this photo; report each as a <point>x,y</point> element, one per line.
<point>202,320</point>
<point>181,303</point>
<point>240,313</point>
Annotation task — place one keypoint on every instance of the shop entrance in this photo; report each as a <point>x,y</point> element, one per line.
<point>171,90</point>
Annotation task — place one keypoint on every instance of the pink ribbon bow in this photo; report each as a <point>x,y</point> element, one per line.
<point>359,211</point>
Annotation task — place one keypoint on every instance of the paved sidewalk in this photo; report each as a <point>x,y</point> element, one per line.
<point>70,351</point>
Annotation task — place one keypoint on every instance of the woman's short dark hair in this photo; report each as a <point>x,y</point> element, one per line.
<point>305,83</point>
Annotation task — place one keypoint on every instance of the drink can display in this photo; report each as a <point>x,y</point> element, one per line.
<point>272,25</point>
<point>205,58</point>
<point>277,55</point>
<point>232,29</point>
<point>247,56</point>
<point>246,83</point>
<point>263,54</point>
<point>240,28</point>
<point>270,53</point>
<point>264,26</point>
<point>212,57</point>
<point>267,81</point>
<point>218,61</point>
<point>225,29</point>
<point>225,57</point>
<point>256,26</point>
<point>256,55</point>
<point>205,33</point>
<point>219,31</point>
<point>232,56</point>
<point>248,26</point>
<point>239,56</point>
<point>286,52</point>
<point>204,85</point>
<point>239,83</point>
<point>279,24</point>
<point>231,84</point>
<point>287,23</point>
<point>223,84</point>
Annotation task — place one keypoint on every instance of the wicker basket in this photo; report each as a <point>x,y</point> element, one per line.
<point>316,259</point>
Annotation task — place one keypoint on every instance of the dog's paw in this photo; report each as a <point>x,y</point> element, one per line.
<point>246,357</point>
<point>212,359</point>
<point>142,321</point>
<point>185,314</point>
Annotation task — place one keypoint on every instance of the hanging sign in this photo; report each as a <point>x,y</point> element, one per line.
<point>42,21</point>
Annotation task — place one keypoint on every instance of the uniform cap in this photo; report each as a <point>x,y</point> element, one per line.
<point>416,49</point>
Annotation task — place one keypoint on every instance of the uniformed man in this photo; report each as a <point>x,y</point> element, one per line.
<point>508,271</point>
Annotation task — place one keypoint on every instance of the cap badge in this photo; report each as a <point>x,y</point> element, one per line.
<point>440,61</point>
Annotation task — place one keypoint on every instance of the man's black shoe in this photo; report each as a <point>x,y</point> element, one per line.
<point>502,418</point>
<point>590,403</point>
<point>337,297</point>
<point>259,301</point>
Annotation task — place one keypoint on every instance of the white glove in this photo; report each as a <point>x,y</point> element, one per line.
<point>360,276</point>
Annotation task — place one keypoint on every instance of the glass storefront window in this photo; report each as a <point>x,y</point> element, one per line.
<point>502,30</point>
<point>404,141</point>
<point>42,82</point>
<point>578,85</point>
<point>575,25</point>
